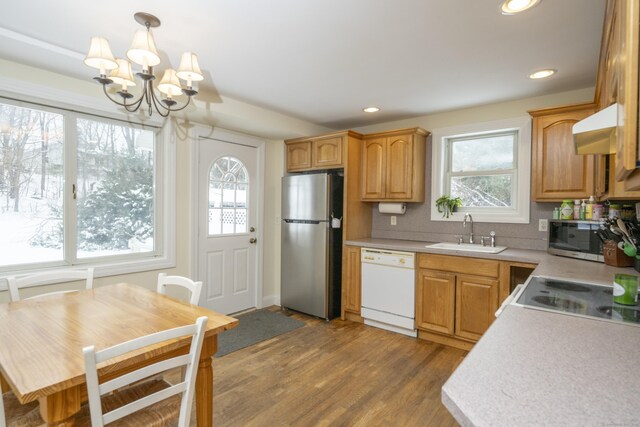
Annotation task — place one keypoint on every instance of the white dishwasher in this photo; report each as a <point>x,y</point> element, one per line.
<point>388,290</point>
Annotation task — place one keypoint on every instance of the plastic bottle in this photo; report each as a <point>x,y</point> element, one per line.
<point>583,209</point>
<point>556,213</point>
<point>576,209</point>
<point>588,213</point>
<point>566,209</point>
<point>614,211</point>
<point>597,211</point>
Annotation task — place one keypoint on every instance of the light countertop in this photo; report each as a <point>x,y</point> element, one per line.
<point>548,265</point>
<point>541,368</point>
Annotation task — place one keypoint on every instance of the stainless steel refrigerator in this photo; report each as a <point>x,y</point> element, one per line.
<point>311,244</point>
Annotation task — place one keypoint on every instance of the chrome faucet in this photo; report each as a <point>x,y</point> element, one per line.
<point>464,225</point>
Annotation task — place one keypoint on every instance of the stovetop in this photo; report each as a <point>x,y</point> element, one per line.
<point>577,298</point>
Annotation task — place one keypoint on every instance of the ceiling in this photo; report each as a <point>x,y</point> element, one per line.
<point>323,61</point>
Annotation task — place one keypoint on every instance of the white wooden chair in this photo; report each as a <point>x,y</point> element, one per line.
<point>162,397</point>
<point>194,287</point>
<point>17,283</point>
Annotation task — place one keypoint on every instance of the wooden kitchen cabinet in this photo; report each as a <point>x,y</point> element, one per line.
<point>393,166</point>
<point>351,283</point>
<point>435,301</point>
<point>326,152</point>
<point>476,304</point>
<point>557,172</point>
<point>298,156</point>
<point>319,152</point>
<point>456,298</point>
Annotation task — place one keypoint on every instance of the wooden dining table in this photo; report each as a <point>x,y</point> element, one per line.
<point>41,343</point>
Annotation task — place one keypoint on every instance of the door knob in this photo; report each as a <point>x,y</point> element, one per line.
<point>252,229</point>
<point>253,240</point>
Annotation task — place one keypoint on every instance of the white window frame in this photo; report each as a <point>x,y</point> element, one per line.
<point>164,254</point>
<point>519,213</point>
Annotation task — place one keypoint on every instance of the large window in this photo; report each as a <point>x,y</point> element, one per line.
<point>487,166</point>
<point>75,189</point>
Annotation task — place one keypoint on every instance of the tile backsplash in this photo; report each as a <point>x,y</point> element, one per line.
<point>416,224</point>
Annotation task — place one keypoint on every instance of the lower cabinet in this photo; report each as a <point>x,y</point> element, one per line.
<point>435,300</point>
<point>476,304</point>
<point>455,305</point>
<point>351,285</point>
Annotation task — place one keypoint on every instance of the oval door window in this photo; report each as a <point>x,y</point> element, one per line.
<point>228,197</point>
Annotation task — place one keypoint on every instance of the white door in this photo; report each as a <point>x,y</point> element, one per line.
<point>227,216</point>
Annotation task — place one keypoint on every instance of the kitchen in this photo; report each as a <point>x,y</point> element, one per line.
<point>418,222</point>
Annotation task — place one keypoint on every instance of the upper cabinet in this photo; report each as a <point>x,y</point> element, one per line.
<point>618,79</point>
<point>559,173</point>
<point>393,166</point>
<point>321,152</point>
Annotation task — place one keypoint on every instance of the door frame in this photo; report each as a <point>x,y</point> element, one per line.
<point>200,132</point>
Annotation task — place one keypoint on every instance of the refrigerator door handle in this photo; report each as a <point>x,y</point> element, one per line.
<point>301,221</point>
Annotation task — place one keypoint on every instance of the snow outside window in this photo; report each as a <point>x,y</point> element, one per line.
<point>74,189</point>
<point>486,165</point>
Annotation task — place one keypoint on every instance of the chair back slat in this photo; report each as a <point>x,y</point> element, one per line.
<point>142,373</point>
<point>144,402</point>
<point>17,283</point>
<point>186,387</point>
<point>194,287</point>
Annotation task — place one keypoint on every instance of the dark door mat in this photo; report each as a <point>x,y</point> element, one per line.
<point>254,327</point>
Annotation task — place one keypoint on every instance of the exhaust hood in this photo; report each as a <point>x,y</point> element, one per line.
<point>597,133</point>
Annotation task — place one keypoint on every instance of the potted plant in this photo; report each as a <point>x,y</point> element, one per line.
<point>448,205</point>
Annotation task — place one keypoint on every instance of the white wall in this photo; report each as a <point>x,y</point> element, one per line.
<point>274,127</point>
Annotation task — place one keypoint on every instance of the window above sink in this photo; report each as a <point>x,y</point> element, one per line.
<point>487,165</point>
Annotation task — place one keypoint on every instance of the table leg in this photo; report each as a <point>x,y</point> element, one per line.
<point>59,408</point>
<point>4,385</point>
<point>204,383</point>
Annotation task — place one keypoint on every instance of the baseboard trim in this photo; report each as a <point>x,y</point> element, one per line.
<point>270,300</point>
<point>449,341</point>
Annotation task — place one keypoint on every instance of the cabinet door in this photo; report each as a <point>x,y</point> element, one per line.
<point>327,153</point>
<point>298,156</point>
<point>373,169</point>
<point>351,287</point>
<point>435,297</point>
<point>399,175</point>
<point>476,304</point>
<point>627,34</point>
<point>558,172</point>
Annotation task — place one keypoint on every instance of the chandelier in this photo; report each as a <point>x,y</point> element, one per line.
<point>143,52</point>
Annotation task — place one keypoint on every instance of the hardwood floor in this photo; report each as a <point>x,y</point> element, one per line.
<point>336,373</point>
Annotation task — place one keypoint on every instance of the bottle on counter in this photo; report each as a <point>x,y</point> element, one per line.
<point>576,209</point>
<point>588,213</point>
<point>583,210</point>
<point>556,213</point>
<point>598,210</point>
<point>566,209</point>
<point>614,211</point>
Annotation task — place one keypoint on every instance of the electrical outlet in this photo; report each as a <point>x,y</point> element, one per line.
<point>543,224</point>
<point>394,220</point>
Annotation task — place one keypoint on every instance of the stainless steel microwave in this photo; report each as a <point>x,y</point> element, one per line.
<point>575,239</point>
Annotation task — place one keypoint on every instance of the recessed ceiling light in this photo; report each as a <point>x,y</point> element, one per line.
<point>542,74</point>
<point>511,7</point>
<point>371,109</point>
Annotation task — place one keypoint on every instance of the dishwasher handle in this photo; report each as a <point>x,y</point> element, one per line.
<point>508,300</point>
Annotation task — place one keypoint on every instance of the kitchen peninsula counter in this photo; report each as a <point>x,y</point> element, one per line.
<point>534,367</point>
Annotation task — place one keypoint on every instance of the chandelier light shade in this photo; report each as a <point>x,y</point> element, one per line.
<point>170,85</point>
<point>123,75</point>
<point>143,52</point>
<point>100,55</point>
<point>189,69</point>
<point>143,49</point>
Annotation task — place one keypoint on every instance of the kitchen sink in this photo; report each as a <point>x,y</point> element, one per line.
<point>467,247</point>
